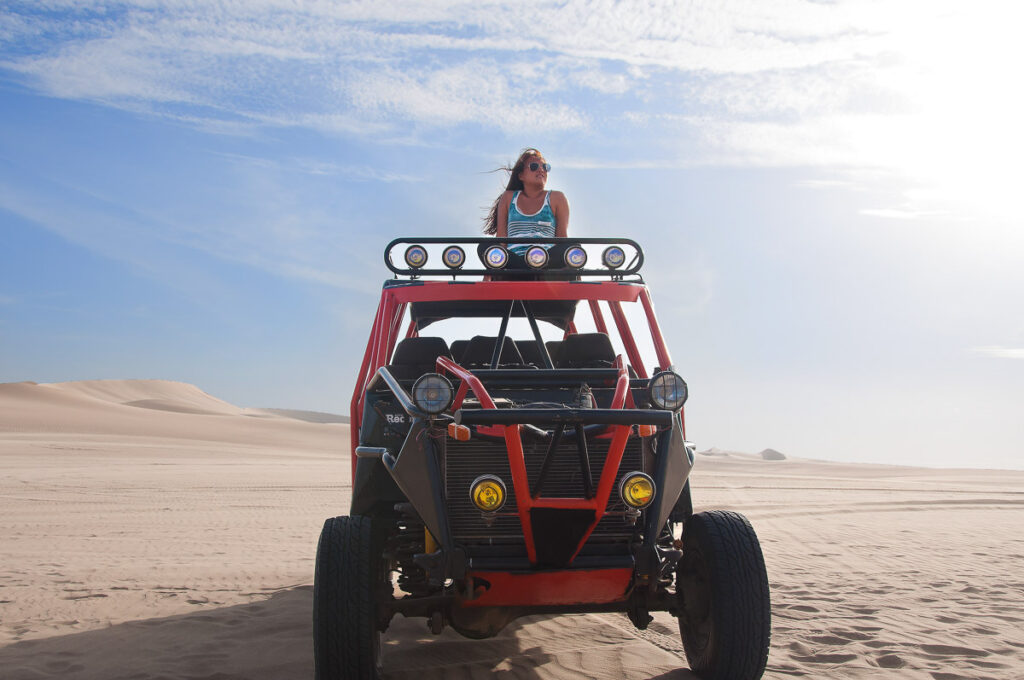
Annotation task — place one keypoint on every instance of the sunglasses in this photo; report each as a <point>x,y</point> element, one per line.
<point>534,166</point>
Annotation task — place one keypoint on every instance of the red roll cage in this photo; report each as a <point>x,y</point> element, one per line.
<point>395,300</point>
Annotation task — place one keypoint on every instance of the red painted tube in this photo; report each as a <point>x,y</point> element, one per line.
<point>467,378</point>
<point>595,310</point>
<point>652,321</point>
<point>627,338</point>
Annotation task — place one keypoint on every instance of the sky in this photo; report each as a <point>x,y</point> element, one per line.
<point>827,193</point>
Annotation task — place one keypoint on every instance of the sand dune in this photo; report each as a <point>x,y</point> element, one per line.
<point>151,530</point>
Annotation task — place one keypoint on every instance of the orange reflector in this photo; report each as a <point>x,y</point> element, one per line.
<point>459,433</point>
<point>644,430</point>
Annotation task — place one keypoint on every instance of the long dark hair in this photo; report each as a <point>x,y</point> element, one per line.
<point>514,184</point>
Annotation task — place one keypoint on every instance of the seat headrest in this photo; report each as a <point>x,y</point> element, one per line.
<point>417,351</point>
<point>481,348</point>
<point>530,352</point>
<point>459,348</point>
<point>586,350</point>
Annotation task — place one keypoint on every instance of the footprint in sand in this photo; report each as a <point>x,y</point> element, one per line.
<point>890,661</point>
<point>804,608</point>
<point>84,596</point>
<point>949,650</point>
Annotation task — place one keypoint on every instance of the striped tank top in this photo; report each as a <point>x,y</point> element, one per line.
<point>540,223</point>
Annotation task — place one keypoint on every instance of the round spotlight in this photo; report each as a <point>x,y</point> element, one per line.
<point>637,490</point>
<point>432,393</point>
<point>416,256</point>
<point>495,257</point>
<point>454,257</point>
<point>536,256</point>
<point>613,257</point>
<point>668,391</point>
<point>488,493</point>
<point>575,257</point>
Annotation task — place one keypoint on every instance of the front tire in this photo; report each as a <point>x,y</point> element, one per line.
<point>724,603</point>
<point>346,631</point>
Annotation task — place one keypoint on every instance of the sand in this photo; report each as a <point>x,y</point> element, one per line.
<point>151,530</point>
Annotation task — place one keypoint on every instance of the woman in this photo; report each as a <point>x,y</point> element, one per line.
<point>525,209</point>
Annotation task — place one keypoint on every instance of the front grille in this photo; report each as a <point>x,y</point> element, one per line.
<point>465,461</point>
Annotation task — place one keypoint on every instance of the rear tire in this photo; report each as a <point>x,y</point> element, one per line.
<point>348,575</point>
<point>724,603</point>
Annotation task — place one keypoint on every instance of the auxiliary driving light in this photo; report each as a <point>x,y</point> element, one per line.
<point>536,257</point>
<point>488,493</point>
<point>575,257</point>
<point>432,393</point>
<point>495,257</point>
<point>416,256</point>
<point>668,391</point>
<point>613,257</point>
<point>454,257</point>
<point>637,490</point>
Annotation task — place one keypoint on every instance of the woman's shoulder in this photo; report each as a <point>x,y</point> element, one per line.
<point>557,197</point>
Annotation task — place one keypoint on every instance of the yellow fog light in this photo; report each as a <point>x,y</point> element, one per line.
<point>488,493</point>
<point>637,490</point>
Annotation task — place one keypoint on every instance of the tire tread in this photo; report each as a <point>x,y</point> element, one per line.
<point>344,624</point>
<point>741,602</point>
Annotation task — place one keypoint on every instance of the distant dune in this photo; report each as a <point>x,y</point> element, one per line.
<point>772,454</point>
<point>307,416</point>
<point>151,530</point>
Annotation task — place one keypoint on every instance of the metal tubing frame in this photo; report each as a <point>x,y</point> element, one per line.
<point>595,311</point>
<point>384,330</point>
<point>627,337</point>
<point>597,500</point>
<point>536,334</point>
<point>499,344</point>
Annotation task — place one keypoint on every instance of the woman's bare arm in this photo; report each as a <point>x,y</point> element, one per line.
<point>503,204</point>
<point>560,207</point>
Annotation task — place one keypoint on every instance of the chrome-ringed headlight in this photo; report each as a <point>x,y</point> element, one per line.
<point>415,256</point>
<point>488,493</point>
<point>668,391</point>
<point>432,393</point>
<point>637,490</point>
<point>536,256</point>
<point>453,257</point>
<point>495,257</point>
<point>613,257</point>
<point>575,257</point>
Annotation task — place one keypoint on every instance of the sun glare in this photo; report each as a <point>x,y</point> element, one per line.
<point>961,138</point>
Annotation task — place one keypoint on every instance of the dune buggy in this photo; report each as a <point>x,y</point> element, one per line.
<point>513,455</point>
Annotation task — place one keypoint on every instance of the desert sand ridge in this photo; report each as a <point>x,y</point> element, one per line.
<point>151,530</point>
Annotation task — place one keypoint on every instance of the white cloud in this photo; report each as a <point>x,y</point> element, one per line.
<point>999,352</point>
<point>317,167</point>
<point>920,88</point>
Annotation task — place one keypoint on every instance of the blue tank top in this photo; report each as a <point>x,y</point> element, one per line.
<point>540,223</point>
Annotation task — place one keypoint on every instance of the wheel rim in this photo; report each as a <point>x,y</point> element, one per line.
<point>696,587</point>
